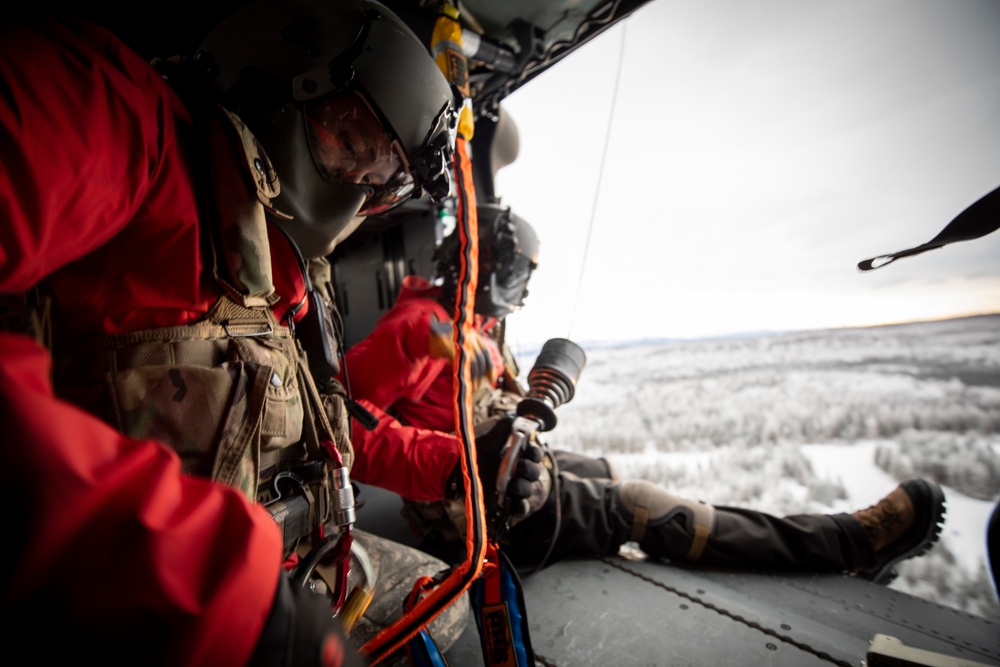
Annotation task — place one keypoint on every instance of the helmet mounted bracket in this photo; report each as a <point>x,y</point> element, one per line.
<point>334,75</point>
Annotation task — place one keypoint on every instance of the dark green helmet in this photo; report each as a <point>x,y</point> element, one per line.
<point>348,103</point>
<point>508,253</point>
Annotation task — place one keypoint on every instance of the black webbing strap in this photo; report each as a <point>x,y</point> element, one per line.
<point>979,219</point>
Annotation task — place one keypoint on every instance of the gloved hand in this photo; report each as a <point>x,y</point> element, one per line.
<point>300,631</point>
<point>529,481</point>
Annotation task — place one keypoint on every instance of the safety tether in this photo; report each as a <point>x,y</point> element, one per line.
<point>978,219</point>
<point>446,45</point>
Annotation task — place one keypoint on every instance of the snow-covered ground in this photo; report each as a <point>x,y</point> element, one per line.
<point>821,421</point>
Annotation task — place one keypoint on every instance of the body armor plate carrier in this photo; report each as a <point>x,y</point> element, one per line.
<point>231,393</point>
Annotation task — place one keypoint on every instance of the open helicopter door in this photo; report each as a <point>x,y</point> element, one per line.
<point>369,266</point>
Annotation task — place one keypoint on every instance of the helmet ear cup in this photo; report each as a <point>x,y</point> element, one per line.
<point>257,94</point>
<point>508,250</point>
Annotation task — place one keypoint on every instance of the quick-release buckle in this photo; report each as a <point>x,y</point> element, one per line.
<point>291,507</point>
<point>247,328</point>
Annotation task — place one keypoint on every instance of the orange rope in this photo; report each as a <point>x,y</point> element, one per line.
<point>463,574</point>
<point>447,31</point>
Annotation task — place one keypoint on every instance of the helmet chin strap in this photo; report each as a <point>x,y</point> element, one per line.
<point>307,207</point>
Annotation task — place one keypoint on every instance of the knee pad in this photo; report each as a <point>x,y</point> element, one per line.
<point>652,506</point>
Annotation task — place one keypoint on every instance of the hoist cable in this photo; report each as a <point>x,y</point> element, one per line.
<point>600,178</point>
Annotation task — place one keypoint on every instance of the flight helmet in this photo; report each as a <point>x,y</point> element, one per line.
<point>353,112</point>
<point>508,253</point>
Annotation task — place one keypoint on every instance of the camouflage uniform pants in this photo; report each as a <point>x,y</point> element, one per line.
<point>398,567</point>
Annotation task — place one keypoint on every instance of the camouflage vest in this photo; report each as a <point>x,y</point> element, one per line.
<point>231,393</point>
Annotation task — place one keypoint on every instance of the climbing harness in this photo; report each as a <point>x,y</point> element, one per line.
<point>500,613</point>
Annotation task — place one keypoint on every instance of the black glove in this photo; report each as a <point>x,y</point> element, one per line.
<point>491,436</point>
<point>301,632</point>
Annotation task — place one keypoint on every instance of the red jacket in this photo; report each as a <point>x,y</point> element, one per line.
<point>395,369</point>
<point>96,196</point>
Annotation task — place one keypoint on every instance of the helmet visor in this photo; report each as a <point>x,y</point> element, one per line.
<point>350,145</point>
<point>515,270</point>
<point>512,278</point>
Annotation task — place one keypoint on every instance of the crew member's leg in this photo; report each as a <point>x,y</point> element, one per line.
<point>596,516</point>
<point>583,466</point>
<point>869,542</point>
<point>583,483</point>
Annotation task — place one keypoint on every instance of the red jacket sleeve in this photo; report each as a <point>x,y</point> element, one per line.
<point>113,545</point>
<point>96,188</point>
<point>413,462</point>
<point>390,364</point>
<point>79,146</point>
<point>394,361</point>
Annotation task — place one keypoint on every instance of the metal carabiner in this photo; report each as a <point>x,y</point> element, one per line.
<point>330,560</point>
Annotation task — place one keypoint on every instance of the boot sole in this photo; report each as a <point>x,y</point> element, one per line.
<point>932,500</point>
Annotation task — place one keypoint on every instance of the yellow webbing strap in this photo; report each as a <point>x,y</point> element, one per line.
<point>704,519</point>
<point>446,45</point>
<point>640,517</point>
<point>446,49</point>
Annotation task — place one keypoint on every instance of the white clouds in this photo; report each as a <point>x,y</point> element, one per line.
<point>758,153</point>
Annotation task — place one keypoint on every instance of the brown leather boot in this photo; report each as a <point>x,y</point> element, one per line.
<point>902,525</point>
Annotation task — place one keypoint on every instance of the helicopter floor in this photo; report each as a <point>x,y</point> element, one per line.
<point>630,610</point>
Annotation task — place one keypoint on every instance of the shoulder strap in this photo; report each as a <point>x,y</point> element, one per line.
<point>236,183</point>
<point>240,183</point>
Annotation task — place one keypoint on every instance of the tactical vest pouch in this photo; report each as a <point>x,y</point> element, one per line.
<point>230,393</point>
<point>230,405</point>
<point>243,184</point>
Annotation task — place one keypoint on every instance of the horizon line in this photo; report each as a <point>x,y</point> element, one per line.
<point>757,332</point>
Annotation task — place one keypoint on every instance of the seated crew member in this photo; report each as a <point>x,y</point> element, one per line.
<point>148,223</point>
<point>404,369</point>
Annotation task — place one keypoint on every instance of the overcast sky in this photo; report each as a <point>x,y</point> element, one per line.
<point>758,151</point>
